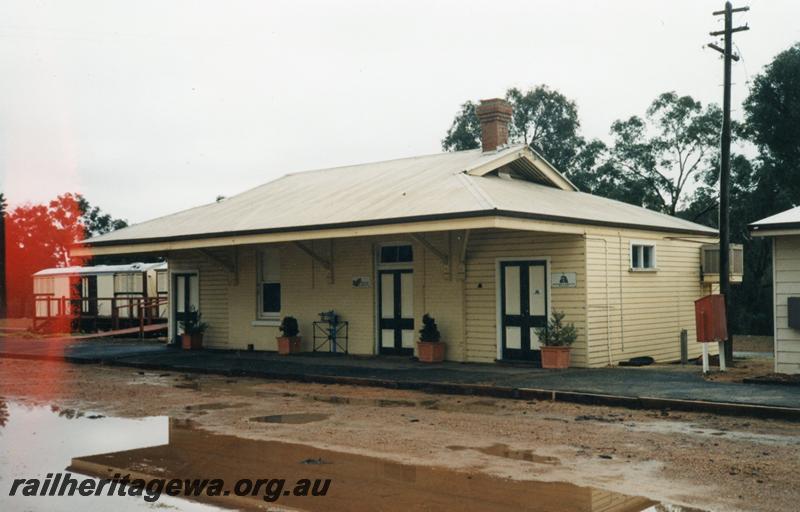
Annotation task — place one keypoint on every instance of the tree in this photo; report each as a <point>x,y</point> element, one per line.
<point>94,221</point>
<point>39,236</point>
<point>772,121</point>
<point>547,121</point>
<point>662,155</point>
<point>465,131</point>
<point>3,297</point>
<point>543,118</point>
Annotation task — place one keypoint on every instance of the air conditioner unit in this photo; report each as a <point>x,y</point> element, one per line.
<point>709,263</point>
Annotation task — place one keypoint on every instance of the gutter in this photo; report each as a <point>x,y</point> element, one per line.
<point>778,228</point>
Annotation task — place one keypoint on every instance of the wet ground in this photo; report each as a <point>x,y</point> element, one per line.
<point>160,448</point>
<point>381,449</point>
<point>674,383</point>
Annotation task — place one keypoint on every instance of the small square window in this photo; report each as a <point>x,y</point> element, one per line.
<point>643,257</point>
<point>397,254</point>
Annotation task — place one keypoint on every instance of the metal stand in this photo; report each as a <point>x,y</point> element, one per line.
<point>331,331</point>
<point>722,366</point>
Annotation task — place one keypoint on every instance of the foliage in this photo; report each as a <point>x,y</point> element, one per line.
<point>547,121</point>
<point>662,155</point>
<point>772,114</point>
<point>3,312</point>
<point>95,222</point>
<point>556,334</point>
<point>39,236</point>
<point>194,324</point>
<point>465,131</point>
<point>429,331</point>
<point>289,326</point>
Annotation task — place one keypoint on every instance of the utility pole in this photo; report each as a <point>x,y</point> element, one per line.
<point>725,161</point>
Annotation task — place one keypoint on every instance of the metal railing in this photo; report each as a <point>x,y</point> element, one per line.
<point>90,313</point>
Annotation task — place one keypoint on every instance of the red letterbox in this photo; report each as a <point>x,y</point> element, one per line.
<point>709,313</point>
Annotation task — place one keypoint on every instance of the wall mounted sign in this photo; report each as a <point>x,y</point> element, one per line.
<point>564,280</point>
<point>361,282</point>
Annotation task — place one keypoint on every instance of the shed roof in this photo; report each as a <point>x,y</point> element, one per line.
<point>513,181</point>
<point>101,269</point>
<point>787,220</point>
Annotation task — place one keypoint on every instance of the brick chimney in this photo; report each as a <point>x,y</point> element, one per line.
<point>494,115</point>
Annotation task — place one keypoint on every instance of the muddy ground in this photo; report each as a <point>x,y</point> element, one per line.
<point>697,460</point>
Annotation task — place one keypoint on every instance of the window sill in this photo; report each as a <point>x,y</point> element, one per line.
<point>642,269</point>
<point>266,323</point>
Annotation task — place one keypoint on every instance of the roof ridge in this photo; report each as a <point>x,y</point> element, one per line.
<point>477,192</point>
<point>363,164</point>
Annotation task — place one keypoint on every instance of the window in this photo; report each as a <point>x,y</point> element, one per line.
<point>269,284</point>
<point>43,286</point>
<point>128,283</point>
<point>397,254</point>
<point>162,282</point>
<point>643,257</point>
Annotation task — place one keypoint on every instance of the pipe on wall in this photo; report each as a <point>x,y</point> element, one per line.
<point>608,302</point>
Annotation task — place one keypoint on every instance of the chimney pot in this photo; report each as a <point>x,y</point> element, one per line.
<point>494,115</point>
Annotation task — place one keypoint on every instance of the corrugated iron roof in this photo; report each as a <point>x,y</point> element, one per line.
<point>426,187</point>
<point>101,269</point>
<point>789,219</point>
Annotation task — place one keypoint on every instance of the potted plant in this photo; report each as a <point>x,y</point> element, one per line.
<point>557,339</point>
<point>429,346</point>
<point>289,342</point>
<point>193,329</point>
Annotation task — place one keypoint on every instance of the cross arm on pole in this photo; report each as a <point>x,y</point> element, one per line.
<point>720,50</point>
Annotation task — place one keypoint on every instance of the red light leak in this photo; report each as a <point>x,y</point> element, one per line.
<point>40,236</point>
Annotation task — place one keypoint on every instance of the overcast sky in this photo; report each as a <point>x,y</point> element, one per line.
<point>149,107</point>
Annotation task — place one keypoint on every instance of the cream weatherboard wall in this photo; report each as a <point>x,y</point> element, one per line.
<point>228,301</point>
<point>786,279</point>
<point>619,314</point>
<point>565,253</point>
<point>641,313</point>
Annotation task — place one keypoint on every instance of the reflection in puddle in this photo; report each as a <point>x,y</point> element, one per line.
<point>295,419</point>
<point>503,450</point>
<point>357,482</point>
<point>37,440</point>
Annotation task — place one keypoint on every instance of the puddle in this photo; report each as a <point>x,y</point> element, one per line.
<point>476,406</point>
<point>503,450</point>
<point>214,406</point>
<point>357,482</point>
<point>294,419</point>
<point>37,440</point>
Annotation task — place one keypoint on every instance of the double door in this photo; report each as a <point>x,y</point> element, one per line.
<point>524,306</point>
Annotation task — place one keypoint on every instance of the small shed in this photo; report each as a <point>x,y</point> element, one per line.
<point>784,230</point>
<point>96,286</point>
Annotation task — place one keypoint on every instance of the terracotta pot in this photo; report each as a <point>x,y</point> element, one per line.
<point>288,344</point>
<point>555,357</point>
<point>431,351</point>
<point>192,341</point>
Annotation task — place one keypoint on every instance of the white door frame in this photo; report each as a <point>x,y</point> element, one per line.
<point>376,275</point>
<point>498,299</point>
<point>171,298</point>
